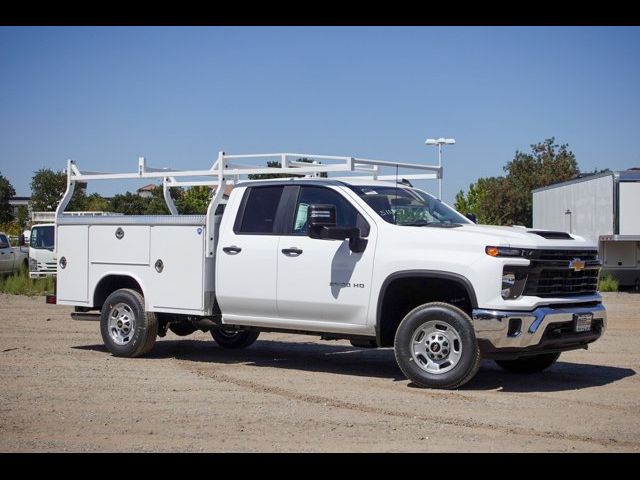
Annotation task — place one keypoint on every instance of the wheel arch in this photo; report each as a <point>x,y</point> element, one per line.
<point>383,335</point>
<point>112,281</point>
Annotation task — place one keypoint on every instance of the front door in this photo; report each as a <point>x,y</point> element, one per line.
<point>323,281</point>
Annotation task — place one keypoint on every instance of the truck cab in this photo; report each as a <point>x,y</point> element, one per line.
<point>374,261</point>
<point>42,259</point>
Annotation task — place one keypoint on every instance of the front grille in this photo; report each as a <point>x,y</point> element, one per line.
<point>549,274</point>
<point>561,258</point>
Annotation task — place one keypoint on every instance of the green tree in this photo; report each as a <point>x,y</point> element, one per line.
<point>195,200</point>
<point>47,189</point>
<point>129,204</point>
<point>468,203</point>
<point>508,200</point>
<point>22,217</point>
<point>96,203</point>
<point>6,192</point>
<point>546,164</point>
<point>156,204</point>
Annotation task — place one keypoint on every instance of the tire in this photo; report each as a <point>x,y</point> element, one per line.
<point>229,338</point>
<point>529,364</point>
<point>182,328</point>
<point>364,343</point>
<point>127,329</point>
<point>436,347</point>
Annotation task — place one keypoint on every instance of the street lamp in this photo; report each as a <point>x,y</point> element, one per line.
<point>570,213</point>
<point>440,141</point>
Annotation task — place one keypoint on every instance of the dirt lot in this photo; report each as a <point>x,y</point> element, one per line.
<point>62,391</point>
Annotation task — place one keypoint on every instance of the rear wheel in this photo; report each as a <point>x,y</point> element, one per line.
<point>231,338</point>
<point>529,364</point>
<point>436,347</point>
<point>127,329</point>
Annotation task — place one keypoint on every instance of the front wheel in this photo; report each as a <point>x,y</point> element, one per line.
<point>230,338</point>
<point>435,346</point>
<point>127,329</point>
<point>529,364</point>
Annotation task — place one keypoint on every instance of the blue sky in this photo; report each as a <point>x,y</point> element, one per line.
<point>104,96</point>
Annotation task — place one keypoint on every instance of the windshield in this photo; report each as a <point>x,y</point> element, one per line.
<point>403,206</point>
<point>42,237</point>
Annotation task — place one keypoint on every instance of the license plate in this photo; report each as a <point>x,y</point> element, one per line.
<point>583,321</point>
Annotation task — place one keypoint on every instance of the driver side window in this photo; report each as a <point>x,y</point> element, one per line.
<point>346,214</point>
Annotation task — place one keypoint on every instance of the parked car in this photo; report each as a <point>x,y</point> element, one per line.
<point>12,259</point>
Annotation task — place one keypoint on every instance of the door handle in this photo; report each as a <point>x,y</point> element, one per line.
<point>231,250</point>
<point>292,252</point>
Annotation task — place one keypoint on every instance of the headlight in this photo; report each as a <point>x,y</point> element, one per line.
<point>33,265</point>
<point>505,252</point>
<point>513,283</point>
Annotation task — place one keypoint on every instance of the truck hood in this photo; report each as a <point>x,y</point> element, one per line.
<point>523,237</point>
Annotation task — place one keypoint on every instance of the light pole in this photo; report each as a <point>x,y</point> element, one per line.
<point>440,141</point>
<point>569,212</point>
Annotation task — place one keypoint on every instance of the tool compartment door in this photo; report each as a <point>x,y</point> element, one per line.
<point>176,271</point>
<point>119,245</point>
<point>72,252</point>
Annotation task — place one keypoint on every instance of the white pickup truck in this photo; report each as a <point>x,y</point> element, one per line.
<point>377,262</point>
<point>12,259</point>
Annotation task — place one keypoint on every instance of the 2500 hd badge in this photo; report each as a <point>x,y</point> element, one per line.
<point>346,284</point>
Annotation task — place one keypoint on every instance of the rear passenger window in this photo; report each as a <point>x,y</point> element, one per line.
<point>260,210</point>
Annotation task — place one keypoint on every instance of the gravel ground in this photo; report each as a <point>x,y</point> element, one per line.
<point>62,391</point>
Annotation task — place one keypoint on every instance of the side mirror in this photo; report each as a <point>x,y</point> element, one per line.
<point>319,216</point>
<point>472,217</point>
<point>21,241</point>
<point>321,225</point>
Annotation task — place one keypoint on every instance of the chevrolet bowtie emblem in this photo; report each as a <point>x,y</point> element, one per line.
<point>577,264</point>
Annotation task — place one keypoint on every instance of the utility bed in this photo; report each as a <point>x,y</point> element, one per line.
<point>165,252</point>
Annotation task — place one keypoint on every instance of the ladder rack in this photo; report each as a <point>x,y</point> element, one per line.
<point>230,169</point>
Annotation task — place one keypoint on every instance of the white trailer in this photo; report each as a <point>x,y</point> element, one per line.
<point>603,208</point>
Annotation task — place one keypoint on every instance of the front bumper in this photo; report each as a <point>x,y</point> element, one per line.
<point>508,334</point>
<point>42,274</point>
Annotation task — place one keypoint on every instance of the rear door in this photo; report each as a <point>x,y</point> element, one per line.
<point>323,281</point>
<point>246,261</point>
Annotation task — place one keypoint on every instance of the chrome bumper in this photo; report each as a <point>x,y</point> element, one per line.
<point>42,274</point>
<point>493,325</point>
